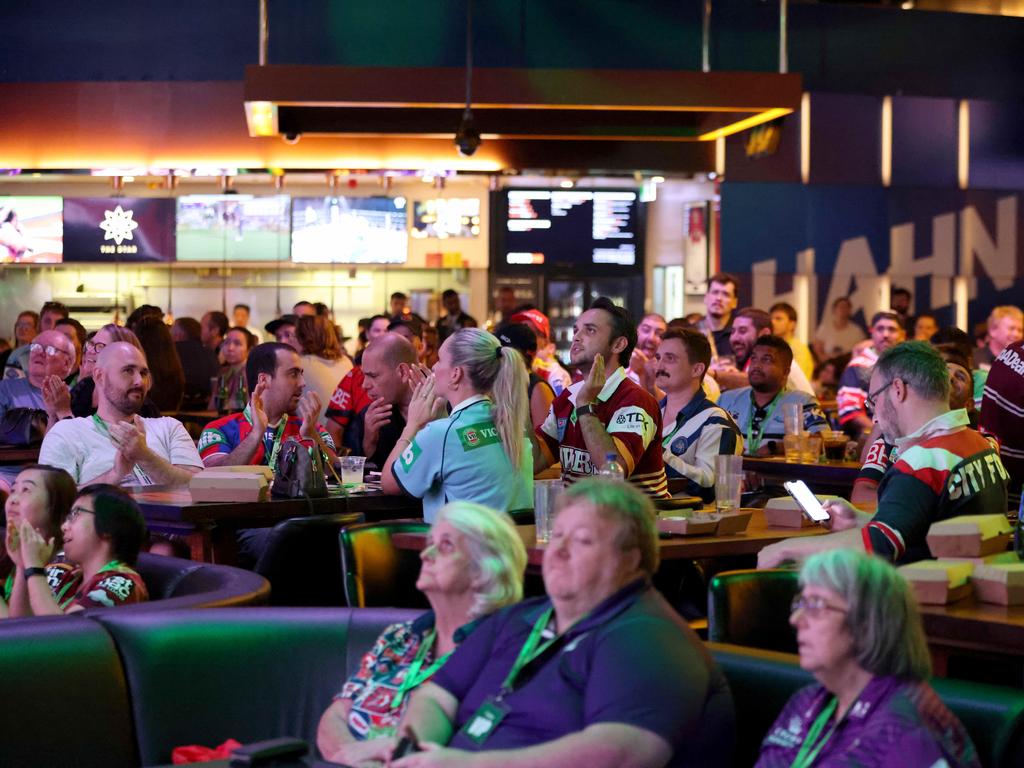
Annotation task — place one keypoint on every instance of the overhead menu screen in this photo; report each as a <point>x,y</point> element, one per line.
<point>571,227</point>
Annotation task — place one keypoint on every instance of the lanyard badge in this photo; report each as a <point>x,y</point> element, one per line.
<point>483,722</point>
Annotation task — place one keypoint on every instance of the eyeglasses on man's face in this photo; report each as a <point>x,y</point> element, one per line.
<point>49,349</point>
<point>869,403</point>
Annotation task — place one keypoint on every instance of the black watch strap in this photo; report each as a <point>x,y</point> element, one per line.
<point>587,409</point>
<point>30,572</point>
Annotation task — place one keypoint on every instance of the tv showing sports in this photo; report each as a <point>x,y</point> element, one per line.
<point>573,228</point>
<point>31,230</point>
<point>233,228</point>
<point>349,230</point>
<point>446,217</point>
<point>122,229</point>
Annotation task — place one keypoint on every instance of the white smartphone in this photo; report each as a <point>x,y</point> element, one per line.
<point>808,501</point>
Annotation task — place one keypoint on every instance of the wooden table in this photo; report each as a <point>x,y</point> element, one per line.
<point>824,477</point>
<point>211,526</point>
<point>18,454</point>
<point>972,627</point>
<point>757,536</point>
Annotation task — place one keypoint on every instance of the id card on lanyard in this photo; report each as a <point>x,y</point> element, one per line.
<point>754,437</point>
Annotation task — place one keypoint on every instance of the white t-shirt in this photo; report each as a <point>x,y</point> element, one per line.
<point>323,377</point>
<point>838,341</point>
<point>84,450</point>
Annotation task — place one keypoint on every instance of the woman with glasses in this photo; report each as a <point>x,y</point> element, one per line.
<point>859,633</point>
<point>472,566</point>
<point>102,534</point>
<point>40,496</point>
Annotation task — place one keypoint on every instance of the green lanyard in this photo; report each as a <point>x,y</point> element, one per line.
<point>530,651</point>
<point>414,677</point>
<point>104,430</point>
<point>752,443</point>
<point>809,749</point>
<point>275,449</point>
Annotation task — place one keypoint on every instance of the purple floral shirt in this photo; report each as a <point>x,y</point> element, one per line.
<point>893,724</point>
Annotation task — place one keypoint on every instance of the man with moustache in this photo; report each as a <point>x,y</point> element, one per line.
<point>642,363</point>
<point>115,445</point>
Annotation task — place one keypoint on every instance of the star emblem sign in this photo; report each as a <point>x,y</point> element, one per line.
<point>118,225</point>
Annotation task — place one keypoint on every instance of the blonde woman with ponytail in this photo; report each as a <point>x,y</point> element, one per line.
<point>480,452</point>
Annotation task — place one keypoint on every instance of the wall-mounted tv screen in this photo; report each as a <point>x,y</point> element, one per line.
<point>233,228</point>
<point>570,228</point>
<point>118,229</point>
<point>349,230</point>
<point>446,217</point>
<point>31,230</point>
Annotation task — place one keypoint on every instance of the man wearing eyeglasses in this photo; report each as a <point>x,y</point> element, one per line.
<point>51,353</point>
<point>944,468</point>
<point>17,364</point>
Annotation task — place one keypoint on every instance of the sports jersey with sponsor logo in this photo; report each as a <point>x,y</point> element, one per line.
<point>853,386</point>
<point>1002,410</point>
<point>690,441</point>
<point>349,399</point>
<point>943,470</point>
<point>226,433</point>
<point>114,584</point>
<point>629,414</point>
<point>461,458</point>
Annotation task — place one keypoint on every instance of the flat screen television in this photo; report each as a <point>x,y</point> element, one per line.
<point>31,230</point>
<point>233,228</point>
<point>592,229</point>
<point>124,229</point>
<point>446,217</point>
<point>349,230</point>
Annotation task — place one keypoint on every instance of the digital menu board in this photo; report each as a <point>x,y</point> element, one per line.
<point>446,217</point>
<point>233,228</point>
<point>349,230</point>
<point>31,230</point>
<point>118,229</point>
<point>570,228</point>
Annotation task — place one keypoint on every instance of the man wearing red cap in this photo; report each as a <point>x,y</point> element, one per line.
<point>545,364</point>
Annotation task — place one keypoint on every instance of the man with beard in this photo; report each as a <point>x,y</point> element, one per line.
<point>642,364</point>
<point>945,468</point>
<point>747,327</point>
<point>886,330</point>
<point>758,409</point>
<point>606,413</point>
<point>115,445</point>
<point>278,409</point>
<point>719,303</point>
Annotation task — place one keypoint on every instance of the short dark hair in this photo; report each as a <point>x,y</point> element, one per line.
<point>885,315</point>
<point>399,295</point>
<point>80,331</point>
<point>321,309</point>
<point>263,359</point>
<point>724,278</point>
<point>243,306</point>
<point>780,345</point>
<point>54,307</point>
<point>190,326</point>
<point>622,325</point>
<point>841,299</point>
<point>303,304</point>
<point>413,323</point>
<point>698,348</point>
<point>371,320</point>
<point>899,292</point>
<point>448,292</point>
<point>220,320</point>
<point>951,335</point>
<point>758,317</point>
<point>250,340</point>
<point>117,517</point>
<point>782,306</point>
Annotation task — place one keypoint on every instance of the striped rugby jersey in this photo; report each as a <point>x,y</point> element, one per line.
<point>691,440</point>
<point>632,418</point>
<point>943,470</point>
<point>1002,410</point>
<point>853,385</point>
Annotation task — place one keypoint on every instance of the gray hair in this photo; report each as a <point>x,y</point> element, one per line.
<point>496,551</point>
<point>622,503</point>
<point>882,618</point>
<point>920,366</point>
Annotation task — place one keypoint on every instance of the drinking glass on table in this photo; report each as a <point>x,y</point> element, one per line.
<point>835,445</point>
<point>812,448</point>
<point>792,418</point>
<point>728,482</point>
<point>545,494</point>
<point>795,446</point>
<point>351,469</point>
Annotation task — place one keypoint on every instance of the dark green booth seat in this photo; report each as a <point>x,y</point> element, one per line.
<point>763,681</point>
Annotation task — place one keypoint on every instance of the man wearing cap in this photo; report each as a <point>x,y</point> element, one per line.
<point>283,331</point>
<point>521,338</point>
<point>545,364</point>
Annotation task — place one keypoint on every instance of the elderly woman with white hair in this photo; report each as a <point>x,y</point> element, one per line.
<point>859,633</point>
<point>473,565</point>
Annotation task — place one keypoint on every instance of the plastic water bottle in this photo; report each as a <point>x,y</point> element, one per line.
<point>611,468</point>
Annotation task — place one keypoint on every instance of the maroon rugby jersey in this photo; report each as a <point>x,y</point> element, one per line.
<point>631,416</point>
<point>1002,410</point>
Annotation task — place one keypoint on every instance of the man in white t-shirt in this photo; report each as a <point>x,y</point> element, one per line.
<point>837,334</point>
<point>115,445</point>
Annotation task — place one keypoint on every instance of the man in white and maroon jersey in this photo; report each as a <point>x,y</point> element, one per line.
<point>1002,412</point>
<point>606,413</point>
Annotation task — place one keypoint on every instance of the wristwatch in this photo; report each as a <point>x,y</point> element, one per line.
<point>30,572</point>
<point>587,409</point>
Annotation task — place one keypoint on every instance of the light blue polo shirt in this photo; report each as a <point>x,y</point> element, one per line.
<point>461,458</point>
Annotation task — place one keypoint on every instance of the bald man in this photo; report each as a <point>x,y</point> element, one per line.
<point>116,445</point>
<point>375,430</point>
<point>51,355</point>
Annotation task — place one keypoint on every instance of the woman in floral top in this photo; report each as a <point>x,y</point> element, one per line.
<point>473,565</point>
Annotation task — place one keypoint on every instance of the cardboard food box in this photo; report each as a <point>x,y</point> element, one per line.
<point>970,536</point>
<point>784,512</point>
<point>938,582</point>
<point>237,484</point>
<point>1000,583</point>
<point>688,526</point>
<point>733,522</point>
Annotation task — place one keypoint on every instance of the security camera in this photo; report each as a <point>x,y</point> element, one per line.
<point>291,137</point>
<point>467,138</point>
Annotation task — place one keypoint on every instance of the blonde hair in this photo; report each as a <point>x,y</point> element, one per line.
<point>1006,310</point>
<point>496,551</point>
<point>501,372</point>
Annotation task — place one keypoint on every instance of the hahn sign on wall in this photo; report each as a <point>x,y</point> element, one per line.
<point>951,248</point>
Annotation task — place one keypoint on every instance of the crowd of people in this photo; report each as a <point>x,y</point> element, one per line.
<point>464,418</point>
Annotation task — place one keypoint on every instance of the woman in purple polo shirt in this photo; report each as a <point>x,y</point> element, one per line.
<point>860,634</point>
<point>473,565</point>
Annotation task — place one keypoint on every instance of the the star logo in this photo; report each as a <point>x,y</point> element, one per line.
<point>118,225</point>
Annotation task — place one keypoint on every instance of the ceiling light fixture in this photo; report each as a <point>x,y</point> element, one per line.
<point>467,137</point>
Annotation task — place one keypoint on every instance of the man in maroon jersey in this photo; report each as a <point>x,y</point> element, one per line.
<point>1002,412</point>
<point>606,413</point>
